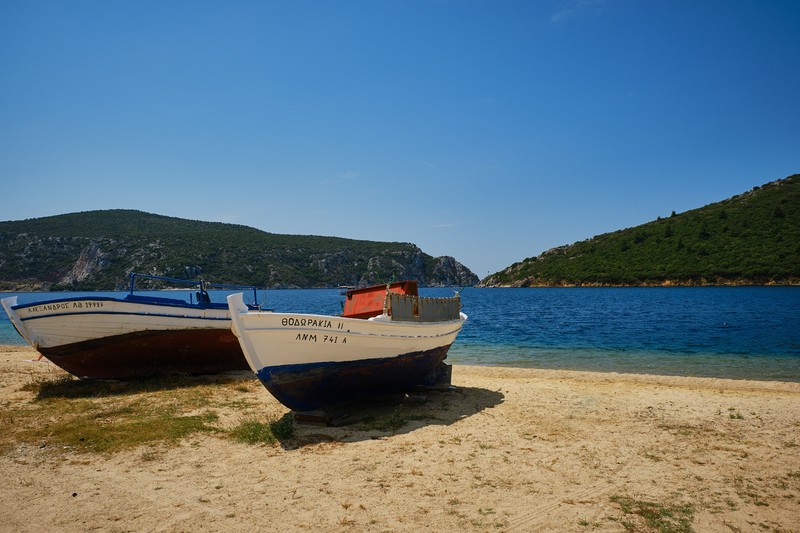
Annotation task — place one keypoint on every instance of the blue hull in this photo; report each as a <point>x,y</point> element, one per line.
<point>307,387</point>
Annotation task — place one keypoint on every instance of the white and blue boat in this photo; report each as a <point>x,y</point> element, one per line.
<point>134,336</point>
<point>309,362</point>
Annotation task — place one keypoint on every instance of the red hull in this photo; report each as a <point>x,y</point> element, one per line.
<point>149,353</point>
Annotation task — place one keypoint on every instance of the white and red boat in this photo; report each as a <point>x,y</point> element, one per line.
<point>135,336</point>
<point>387,339</point>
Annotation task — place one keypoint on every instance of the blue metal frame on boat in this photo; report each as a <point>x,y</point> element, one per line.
<point>202,293</point>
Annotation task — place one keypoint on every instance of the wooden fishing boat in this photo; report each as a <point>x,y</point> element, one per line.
<point>312,361</point>
<point>135,336</point>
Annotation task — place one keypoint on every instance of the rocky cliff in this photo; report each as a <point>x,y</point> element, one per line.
<point>97,250</point>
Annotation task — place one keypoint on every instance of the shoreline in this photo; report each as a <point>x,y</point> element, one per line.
<point>509,450</point>
<point>551,373</point>
<point>460,361</point>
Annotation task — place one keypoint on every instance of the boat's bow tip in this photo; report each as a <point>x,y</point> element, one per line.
<point>236,307</point>
<point>236,303</point>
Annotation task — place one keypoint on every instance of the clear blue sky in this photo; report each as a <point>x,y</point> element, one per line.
<point>486,130</point>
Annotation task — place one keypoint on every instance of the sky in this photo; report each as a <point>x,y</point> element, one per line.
<point>490,131</point>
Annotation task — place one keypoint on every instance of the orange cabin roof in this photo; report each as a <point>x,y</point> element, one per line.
<point>368,302</point>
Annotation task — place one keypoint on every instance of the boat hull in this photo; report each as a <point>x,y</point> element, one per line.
<point>305,387</point>
<point>115,338</point>
<point>311,361</point>
<point>150,353</point>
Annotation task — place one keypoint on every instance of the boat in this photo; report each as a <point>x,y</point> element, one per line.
<point>134,336</point>
<point>388,339</point>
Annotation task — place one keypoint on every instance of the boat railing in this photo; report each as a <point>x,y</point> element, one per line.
<point>409,308</point>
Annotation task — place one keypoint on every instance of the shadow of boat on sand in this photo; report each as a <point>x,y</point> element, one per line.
<point>67,387</point>
<point>374,418</point>
<point>393,414</point>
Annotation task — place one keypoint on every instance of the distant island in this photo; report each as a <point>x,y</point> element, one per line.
<point>750,239</point>
<point>96,250</point>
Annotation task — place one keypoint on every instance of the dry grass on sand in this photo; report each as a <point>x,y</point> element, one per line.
<point>509,450</point>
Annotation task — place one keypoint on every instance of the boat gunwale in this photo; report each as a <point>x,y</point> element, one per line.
<point>154,315</point>
<point>131,299</point>
<point>377,321</point>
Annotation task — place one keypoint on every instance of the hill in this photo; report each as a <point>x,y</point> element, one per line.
<point>96,250</point>
<point>752,238</point>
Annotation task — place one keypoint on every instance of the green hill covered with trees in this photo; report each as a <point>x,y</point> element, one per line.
<point>96,250</point>
<point>752,238</point>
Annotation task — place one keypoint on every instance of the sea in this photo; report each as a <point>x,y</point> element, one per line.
<point>725,332</point>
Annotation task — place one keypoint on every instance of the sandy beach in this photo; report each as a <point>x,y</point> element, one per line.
<point>507,450</point>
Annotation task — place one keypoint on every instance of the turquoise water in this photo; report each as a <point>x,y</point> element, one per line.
<point>736,332</point>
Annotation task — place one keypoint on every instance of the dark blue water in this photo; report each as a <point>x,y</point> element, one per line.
<point>740,332</point>
<point>736,332</point>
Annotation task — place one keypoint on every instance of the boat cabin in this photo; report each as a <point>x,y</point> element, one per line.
<point>369,301</point>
